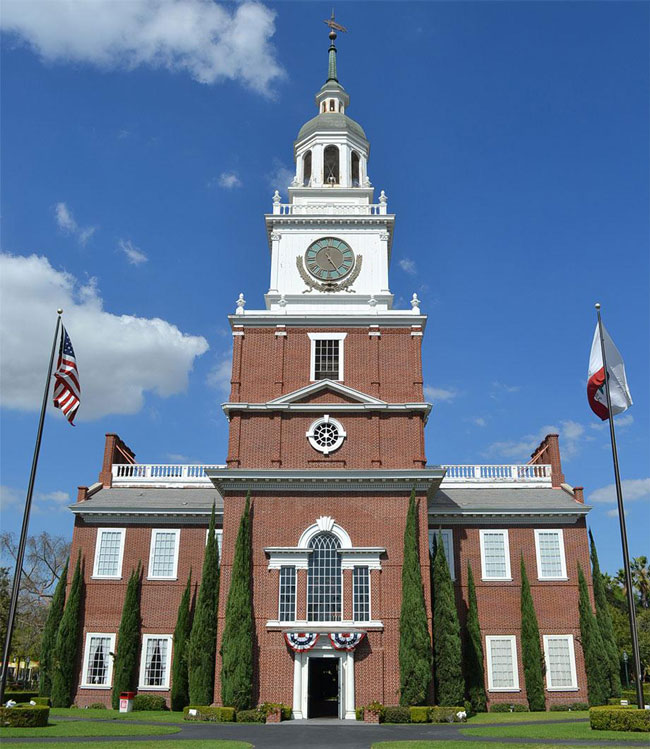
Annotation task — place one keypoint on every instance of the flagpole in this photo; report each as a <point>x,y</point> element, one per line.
<point>621,519</point>
<point>23,533</point>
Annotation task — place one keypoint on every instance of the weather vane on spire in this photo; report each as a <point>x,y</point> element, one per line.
<point>334,27</point>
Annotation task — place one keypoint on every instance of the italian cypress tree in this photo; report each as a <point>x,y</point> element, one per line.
<point>180,695</point>
<point>66,645</point>
<point>474,674</point>
<point>125,678</point>
<point>202,650</point>
<point>447,649</point>
<point>238,633</point>
<point>415,659</point>
<point>531,650</point>
<point>48,643</point>
<point>596,663</point>
<point>604,619</point>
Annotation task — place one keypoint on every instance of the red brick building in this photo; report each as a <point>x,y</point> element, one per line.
<point>326,417</point>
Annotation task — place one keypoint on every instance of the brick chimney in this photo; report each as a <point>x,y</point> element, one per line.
<point>82,493</point>
<point>549,452</point>
<point>579,494</point>
<point>115,452</point>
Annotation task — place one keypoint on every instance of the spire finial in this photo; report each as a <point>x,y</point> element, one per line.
<point>333,27</point>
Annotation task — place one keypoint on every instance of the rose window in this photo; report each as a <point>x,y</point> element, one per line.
<point>326,435</point>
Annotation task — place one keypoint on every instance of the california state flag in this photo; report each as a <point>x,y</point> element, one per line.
<point>619,392</point>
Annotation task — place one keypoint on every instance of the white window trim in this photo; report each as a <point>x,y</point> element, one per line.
<point>100,532</point>
<point>84,671</point>
<point>295,602</point>
<point>361,622</point>
<point>313,337</point>
<point>143,656</point>
<point>572,657</point>
<point>174,575</point>
<point>560,534</point>
<point>450,534</point>
<point>506,547</point>
<point>326,419</point>
<point>515,664</point>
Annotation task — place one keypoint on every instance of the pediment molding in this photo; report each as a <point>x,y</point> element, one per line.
<point>300,395</point>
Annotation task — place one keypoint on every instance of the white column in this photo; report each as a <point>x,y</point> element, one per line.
<point>275,261</point>
<point>297,687</point>
<point>344,165</point>
<point>348,686</point>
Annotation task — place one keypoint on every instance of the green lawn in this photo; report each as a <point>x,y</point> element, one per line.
<point>86,728</point>
<point>178,744</point>
<point>458,745</point>
<point>526,717</point>
<point>566,731</point>
<point>159,716</point>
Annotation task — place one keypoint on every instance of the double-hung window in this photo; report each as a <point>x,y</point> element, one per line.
<point>163,555</point>
<point>218,532</point>
<point>287,607</point>
<point>109,550</point>
<point>502,670</point>
<point>560,663</point>
<point>154,661</point>
<point>361,594</point>
<point>447,544</point>
<point>549,547</point>
<point>326,356</point>
<point>495,555</point>
<point>98,660</point>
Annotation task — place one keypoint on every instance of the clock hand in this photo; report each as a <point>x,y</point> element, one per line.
<point>329,257</point>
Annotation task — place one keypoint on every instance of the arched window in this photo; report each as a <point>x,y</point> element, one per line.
<point>306,168</point>
<point>331,165</point>
<point>324,106</point>
<point>332,105</point>
<point>324,579</point>
<point>355,169</point>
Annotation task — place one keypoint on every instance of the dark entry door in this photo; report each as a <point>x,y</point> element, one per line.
<point>323,694</point>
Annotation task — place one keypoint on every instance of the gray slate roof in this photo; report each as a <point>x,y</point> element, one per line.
<point>454,501</point>
<point>152,499</point>
<point>331,121</point>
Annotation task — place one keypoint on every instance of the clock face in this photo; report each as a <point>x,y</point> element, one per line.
<point>329,259</point>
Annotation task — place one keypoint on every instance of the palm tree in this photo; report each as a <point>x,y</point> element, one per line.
<point>641,580</point>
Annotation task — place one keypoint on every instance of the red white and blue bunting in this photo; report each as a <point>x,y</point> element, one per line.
<point>346,640</point>
<point>299,641</point>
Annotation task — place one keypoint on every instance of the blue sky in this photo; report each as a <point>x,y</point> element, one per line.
<point>142,143</point>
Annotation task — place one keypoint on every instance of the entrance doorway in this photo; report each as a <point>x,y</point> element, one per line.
<point>323,688</point>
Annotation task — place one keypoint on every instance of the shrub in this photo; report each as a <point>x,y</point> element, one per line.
<point>50,630</point>
<point>127,658</point>
<point>149,702</point>
<point>358,713</point>
<point>20,696</point>
<point>593,648</point>
<point>266,708</point>
<point>96,706</point>
<point>42,701</point>
<point>619,719</point>
<point>250,716</point>
<point>509,707</point>
<point>419,714</point>
<point>25,716</point>
<point>570,706</point>
<point>446,714</point>
<point>64,657</point>
<point>473,653</point>
<point>180,693</point>
<point>210,714</point>
<point>531,650</point>
<point>397,714</point>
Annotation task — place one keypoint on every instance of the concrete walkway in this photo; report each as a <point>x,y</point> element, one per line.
<point>326,734</point>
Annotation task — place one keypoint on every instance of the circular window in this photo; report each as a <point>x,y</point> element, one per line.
<point>326,435</point>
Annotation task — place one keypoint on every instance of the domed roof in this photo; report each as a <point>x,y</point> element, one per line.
<point>334,121</point>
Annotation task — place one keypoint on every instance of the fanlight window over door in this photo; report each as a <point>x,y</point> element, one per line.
<point>324,579</point>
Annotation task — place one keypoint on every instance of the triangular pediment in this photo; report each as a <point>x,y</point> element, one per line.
<point>340,394</point>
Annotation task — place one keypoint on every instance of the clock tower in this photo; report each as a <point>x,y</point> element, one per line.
<point>326,418</point>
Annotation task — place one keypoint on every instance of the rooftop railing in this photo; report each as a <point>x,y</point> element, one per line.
<point>329,209</point>
<point>162,474</point>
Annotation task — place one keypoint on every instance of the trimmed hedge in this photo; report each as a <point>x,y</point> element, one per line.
<point>619,719</point>
<point>509,707</point>
<point>42,701</point>
<point>149,702</point>
<point>419,714</point>
<point>210,714</point>
<point>250,716</point>
<point>25,716</point>
<point>96,706</point>
<point>446,714</point>
<point>396,714</point>
<point>571,706</point>
<point>20,696</point>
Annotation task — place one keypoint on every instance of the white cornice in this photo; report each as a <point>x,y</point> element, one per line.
<point>511,517</point>
<point>176,515</point>
<point>229,407</point>
<point>270,318</point>
<point>316,387</point>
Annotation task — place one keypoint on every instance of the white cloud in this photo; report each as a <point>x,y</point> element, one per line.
<point>501,388</point>
<point>229,180</point>
<point>10,497</point>
<point>210,42</point>
<point>66,222</point>
<point>408,266</point>
<point>633,490</point>
<point>120,357</point>
<point>280,176</point>
<point>480,422</point>
<point>440,394</point>
<point>42,501</point>
<point>571,433</point>
<point>623,421</point>
<point>614,513</point>
<point>134,254</point>
<point>220,374</point>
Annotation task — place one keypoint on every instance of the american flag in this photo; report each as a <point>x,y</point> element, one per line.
<point>67,393</point>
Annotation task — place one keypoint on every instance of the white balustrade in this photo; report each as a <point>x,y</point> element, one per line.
<point>137,474</point>
<point>538,474</point>
<point>329,209</point>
